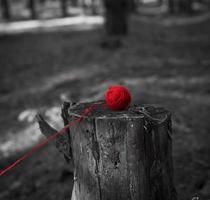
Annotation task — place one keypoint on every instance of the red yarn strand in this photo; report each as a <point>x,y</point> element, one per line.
<point>47,140</point>
<point>118,97</point>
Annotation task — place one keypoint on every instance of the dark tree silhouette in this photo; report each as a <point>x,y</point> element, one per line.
<point>32,7</point>
<point>171,6</point>
<point>181,6</point>
<point>185,6</point>
<point>74,2</point>
<point>64,8</point>
<point>93,7</point>
<point>116,14</point>
<point>134,6</point>
<point>160,2</point>
<point>5,9</point>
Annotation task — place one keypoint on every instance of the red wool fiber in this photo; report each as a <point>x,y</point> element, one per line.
<point>118,97</point>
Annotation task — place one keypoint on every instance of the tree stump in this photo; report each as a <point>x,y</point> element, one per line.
<point>125,155</point>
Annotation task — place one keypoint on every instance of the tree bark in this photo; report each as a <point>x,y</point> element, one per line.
<point>124,155</point>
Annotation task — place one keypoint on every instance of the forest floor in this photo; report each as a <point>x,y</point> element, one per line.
<point>163,64</point>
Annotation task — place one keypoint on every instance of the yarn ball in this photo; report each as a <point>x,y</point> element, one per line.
<point>118,97</point>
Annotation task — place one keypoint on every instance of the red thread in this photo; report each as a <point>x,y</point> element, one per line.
<point>118,97</point>
<point>47,140</point>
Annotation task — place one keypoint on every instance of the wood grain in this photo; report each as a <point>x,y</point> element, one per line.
<point>124,155</point>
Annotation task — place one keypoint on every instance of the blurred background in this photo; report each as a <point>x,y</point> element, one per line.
<point>57,50</point>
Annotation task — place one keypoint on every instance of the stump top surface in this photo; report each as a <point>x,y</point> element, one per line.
<point>102,111</point>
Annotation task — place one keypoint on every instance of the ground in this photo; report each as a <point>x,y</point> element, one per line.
<point>162,63</point>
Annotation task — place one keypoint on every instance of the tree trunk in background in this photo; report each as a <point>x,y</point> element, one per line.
<point>185,6</point>
<point>160,2</point>
<point>32,7</point>
<point>116,17</point>
<point>74,3</point>
<point>133,6</point>
<point>82,3</point>
<point>93,7</point>
<point>171,6</point>
<point>181,6</point>
<point>64,8</point>
<point>189,6</point>
<point>5,9</point>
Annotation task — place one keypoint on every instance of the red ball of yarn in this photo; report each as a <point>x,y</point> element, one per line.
<point>118,97</point>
